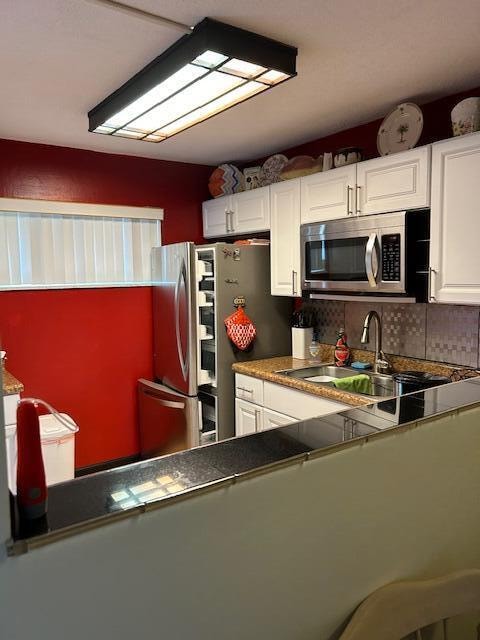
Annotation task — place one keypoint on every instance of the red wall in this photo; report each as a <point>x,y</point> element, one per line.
<point>436,126</point>
<point>83,349</point>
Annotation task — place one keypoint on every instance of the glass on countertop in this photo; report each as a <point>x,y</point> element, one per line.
<point>314,348</point>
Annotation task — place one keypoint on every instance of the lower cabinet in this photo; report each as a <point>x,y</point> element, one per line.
<point>250,418</point>
<point>272,419</point>
<point>298,404</point>
<point>272,401</point>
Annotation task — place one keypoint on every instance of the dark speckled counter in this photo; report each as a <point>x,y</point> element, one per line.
<point>102,497</point>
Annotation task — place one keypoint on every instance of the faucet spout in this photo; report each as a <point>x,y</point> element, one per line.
<point>365,335</point>
<point>381,364</point>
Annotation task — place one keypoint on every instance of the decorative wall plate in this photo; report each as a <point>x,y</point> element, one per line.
<point>301,166</point>
<point>271,169</point>
<point>400,129</point>
<point>225,180</point>
<point>466,116</point>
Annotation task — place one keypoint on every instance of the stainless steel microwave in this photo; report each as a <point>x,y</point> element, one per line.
<point>384,254</point>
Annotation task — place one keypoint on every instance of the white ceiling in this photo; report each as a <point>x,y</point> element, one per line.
<point>357,59</point>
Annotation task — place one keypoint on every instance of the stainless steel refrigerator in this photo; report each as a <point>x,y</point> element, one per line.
<point>191,401</point>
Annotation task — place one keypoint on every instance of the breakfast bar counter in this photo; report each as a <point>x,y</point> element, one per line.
<point>101,498</point>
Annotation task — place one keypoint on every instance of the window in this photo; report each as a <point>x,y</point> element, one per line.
<point>72,245</point>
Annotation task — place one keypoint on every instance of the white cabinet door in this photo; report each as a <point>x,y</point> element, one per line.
<point>251,211</point>
<point>272,419</point>
<point>217,217</point>
<point>10,408</point>
<point>328,195</point>
<point>455,221</point>
<point>248,417</point>
<point>392,183</point>
<point>285,238</point>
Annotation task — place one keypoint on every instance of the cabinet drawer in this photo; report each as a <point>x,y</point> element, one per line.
<point>248,388</point>
<point>298,404</point>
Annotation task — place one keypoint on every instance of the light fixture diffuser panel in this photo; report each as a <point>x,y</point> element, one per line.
<point>204,73</point>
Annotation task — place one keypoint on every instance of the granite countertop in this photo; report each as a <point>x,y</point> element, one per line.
<point>10,384</point>
<point>128,491</point>
<point>265,370</point>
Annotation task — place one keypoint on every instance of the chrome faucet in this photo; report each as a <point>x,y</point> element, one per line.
<point>381,364</point>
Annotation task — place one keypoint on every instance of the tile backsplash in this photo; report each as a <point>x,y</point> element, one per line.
<point>439,332</point>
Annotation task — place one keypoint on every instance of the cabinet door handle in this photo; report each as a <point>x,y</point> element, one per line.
<point>257,420</point>
<point>358,208</point>
<point>294,282</point>
<point>349,190</point>
<point>245,390</point>
<point>231,229</point>
<point>227,222</point>
<point>431,272</point>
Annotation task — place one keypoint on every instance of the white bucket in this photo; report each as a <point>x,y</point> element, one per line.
<point>58,450</point>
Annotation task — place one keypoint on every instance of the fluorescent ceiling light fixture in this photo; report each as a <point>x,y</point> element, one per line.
<point>200,75</point>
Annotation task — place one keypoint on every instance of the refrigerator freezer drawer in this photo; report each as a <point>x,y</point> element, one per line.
<point>168,421</point>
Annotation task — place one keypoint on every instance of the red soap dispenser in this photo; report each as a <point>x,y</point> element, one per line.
<point>342,350</point>
<point>31,485</point>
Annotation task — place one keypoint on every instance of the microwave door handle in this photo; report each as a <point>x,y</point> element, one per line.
<point>371,260</point>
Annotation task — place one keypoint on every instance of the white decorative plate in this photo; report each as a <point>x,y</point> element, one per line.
<point>271,168</point>
<point>400,129</point>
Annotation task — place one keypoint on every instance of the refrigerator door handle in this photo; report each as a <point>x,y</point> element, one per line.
<point>181,276</point>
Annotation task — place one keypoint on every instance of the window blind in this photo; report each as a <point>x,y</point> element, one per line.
<point>49,250</point>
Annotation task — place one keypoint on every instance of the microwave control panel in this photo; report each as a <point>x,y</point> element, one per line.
<point>391,257</point>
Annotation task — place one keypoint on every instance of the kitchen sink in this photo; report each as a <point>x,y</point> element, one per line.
<point>322,371</point>
<point>324,374</point>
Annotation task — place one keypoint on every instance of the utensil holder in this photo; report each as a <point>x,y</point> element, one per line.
<point>301,339</point>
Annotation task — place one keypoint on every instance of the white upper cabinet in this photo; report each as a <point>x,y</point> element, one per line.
<point>240,213</point>
<point>217,216</point>
<point>328,195</point>
<point>455,221</point>
<point>251,211</point>
<point>285,238</point>
<point>392,183</point>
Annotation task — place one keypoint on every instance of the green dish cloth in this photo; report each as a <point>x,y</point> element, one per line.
<point>355,384</point>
